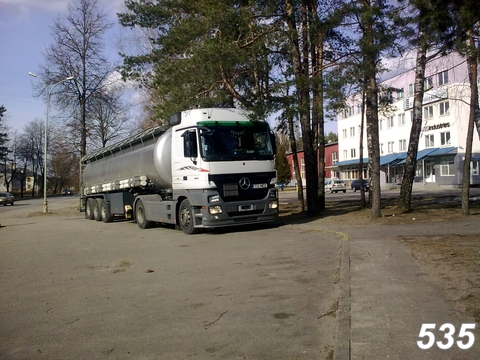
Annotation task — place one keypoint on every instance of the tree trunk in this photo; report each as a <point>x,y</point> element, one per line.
<point>371,112</point>
<point>360,154</point>
<point>405,199</point>
<point>472,77</point>
<point>300,70</point>
<point>317,42</point>
<point>373,143</point>
<point>296,167</point>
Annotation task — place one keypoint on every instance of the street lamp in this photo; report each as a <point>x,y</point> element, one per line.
<point>48,92</point>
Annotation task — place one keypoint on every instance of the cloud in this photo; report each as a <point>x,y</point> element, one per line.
<point>22,10</point>
<point>25,8</point>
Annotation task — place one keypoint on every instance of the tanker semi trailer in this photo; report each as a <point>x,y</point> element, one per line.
<point>211,168</point>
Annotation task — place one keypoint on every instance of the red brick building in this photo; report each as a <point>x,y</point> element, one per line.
<point>331,157</point>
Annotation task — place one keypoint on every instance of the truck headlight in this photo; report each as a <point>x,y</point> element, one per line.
<point>273,205</point>
<point>215,209</point>
<point>214,198</point>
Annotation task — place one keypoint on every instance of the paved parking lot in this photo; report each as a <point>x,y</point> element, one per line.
<point>77,289</point>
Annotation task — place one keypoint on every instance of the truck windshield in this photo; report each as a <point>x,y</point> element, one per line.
<point>226,141</point>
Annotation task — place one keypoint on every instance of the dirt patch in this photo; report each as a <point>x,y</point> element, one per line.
<point>453,262</point>
<point>425,209</point>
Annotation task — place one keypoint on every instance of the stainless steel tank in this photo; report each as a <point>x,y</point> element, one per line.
<point>145,154</point>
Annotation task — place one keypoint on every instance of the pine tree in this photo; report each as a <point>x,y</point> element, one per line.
<point>282,166</point>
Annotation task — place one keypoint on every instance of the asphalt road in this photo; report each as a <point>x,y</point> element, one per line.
<point>71,288</point>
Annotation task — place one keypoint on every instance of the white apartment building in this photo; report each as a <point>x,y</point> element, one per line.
<point>441,150</point>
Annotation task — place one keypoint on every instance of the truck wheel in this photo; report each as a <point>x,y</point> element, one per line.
<point>186,218</point>
<point>89,209</point>
<point>106,215</point>
<point>140,216</point>
<point>97,203</point>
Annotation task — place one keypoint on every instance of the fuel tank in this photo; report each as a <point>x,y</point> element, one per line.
<point>148,154</point>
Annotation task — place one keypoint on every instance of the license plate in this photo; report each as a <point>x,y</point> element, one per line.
<point>245,207</point>
<point>259,186</point>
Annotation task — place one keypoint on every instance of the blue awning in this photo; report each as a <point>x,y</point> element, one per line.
<point>350,162</point>
<point>399,158</point>
<point>423,154</point>
<point>392,159</point>
<point>443,151</point>
<point>389,159</point>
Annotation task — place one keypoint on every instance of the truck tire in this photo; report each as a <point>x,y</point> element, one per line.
<point>89,209</point>
<point>140,216</point>
<point>97,203</point>
<point>106,215</point>
<point>186,218</point>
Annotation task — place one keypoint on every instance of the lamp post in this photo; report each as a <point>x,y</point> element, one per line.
<point>48,92</point>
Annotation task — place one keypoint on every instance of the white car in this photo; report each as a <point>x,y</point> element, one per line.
<point>335,186</point>
<point>6,198</point>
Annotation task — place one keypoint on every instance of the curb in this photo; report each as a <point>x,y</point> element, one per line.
<point>343,322</point>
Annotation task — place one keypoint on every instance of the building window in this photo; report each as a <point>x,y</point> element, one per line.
<point>345,154</point>
<point>410,89</point>
<point>381,148</point>
<point>353,153</point>
<point>359,108</point>
<point>445,138</point>
<point>302,168</point>
<point>354,174</point>
<point>390,147</point>
<point>419,170</point>
<point>380,124</point>
<point>352,131</point>
<point>344,133</point>
<point>400,94</point>
<point>428,112</point>
<point>390,122</point>
<point>447,167</point>
<point>443,78</point>
<point>444,108</point>
<point>429,141</point>
<point>474,167</point>
<point>334,158</point>
<point>402,145</point>
<point>346,174</point>
<point>428,83</point>
<point>401,119</point>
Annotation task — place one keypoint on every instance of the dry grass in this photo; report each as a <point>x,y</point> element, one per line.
<point>455,260</point>
<point>425,209</point>
<point>451,260</point>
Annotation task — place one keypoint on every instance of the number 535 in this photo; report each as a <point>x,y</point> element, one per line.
<point>448,339</point>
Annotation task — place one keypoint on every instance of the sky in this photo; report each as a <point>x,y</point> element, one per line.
<point>25,31</point>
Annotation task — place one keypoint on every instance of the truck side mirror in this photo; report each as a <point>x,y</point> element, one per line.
<point>274,143</point>
<point>190,144</point>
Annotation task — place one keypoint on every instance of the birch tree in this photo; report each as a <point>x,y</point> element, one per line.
<point>77,51</point>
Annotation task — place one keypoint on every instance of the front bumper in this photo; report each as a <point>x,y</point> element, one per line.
<point>238,212</point>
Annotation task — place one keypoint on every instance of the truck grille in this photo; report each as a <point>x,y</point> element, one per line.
<point>242,187</point>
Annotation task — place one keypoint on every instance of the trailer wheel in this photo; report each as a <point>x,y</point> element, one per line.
<point>89,209</point>
<point>106,215</point>
<point>97,203</point>
<point>140,217</point>
<point>186,218</point>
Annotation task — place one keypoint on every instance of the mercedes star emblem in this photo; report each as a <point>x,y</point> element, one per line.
<point>244,183</point>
